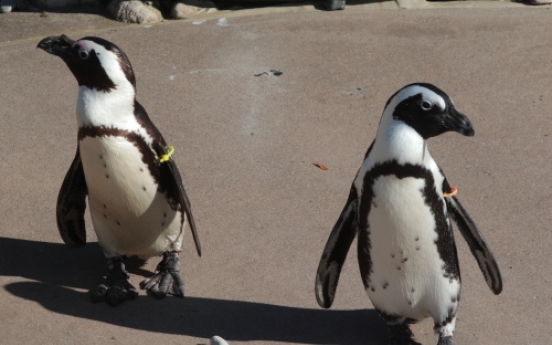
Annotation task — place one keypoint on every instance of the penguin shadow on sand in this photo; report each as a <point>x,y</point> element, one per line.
<point>62,277</point>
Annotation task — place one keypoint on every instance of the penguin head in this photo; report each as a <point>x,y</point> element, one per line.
<point>96,63</point>
<point>428,110</point>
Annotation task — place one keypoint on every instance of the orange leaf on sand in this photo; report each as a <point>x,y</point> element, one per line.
<point>321,166</point>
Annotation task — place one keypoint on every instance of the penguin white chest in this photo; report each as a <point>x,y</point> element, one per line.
<point>130,216</point>
<point>407,271</point>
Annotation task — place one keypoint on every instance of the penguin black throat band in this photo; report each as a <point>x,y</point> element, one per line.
<point>155,168</point>
<point>445,237</point>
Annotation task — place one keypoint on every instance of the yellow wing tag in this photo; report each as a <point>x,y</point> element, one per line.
<point>164,158</point>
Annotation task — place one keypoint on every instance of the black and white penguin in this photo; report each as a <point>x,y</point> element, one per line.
<point>400,204</point>
<point>138,204</point>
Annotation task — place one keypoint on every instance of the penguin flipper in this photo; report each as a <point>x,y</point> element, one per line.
<point>170,173</point>
<point>477,244</point>
<point>185,202</point>
<point>171,181</point>
<point>335,252</point>
<point>71,204</point>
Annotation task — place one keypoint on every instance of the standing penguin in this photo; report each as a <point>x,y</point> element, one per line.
<point>138,204</point>
<point>399,204</point>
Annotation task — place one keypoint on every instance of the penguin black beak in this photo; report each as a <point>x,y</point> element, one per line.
<point>458,122</point>
<point>59,46</point>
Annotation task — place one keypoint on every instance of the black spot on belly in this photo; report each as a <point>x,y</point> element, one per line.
<point>117,222</point>
<point>165,215</point>
<point>373,289</point>
<point>393,255</point>
<point>385,285</point>
<point>404,260</point>
<point>105,216</point>
<point>106,176</point>
<point>417,238</point>
<point>163,224</point>
<point>105,165</point>
<point>141,170</point>
<point>143,188</point>
<point>417,247</point>
<point>398,268</point>
<point>105,206</point>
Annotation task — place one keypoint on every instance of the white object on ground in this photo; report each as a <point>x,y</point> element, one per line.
<point>7,6</point>
<point>216,340</point>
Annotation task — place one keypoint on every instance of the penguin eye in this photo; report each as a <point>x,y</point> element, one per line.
<point>426,105</point>
<point>83,55</point>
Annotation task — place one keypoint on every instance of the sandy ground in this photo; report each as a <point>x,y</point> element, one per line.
<point>246,146</point>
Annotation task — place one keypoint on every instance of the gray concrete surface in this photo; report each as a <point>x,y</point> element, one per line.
<point>246,147</point>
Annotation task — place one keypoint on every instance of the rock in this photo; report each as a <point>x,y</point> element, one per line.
<point>216,340</point>
<point>182,10</point>
<point>154,3</point>
<point>133,11</point>
<point>7,5</point>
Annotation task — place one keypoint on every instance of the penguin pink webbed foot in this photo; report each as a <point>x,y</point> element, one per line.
<point>115,289</point>
<point>168,280</point>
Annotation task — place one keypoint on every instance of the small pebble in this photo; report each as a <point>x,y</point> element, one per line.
<point>216,340</point>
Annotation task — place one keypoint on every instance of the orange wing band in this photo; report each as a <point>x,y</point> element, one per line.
<point>453,192</point>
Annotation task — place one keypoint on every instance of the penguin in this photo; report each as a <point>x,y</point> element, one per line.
<point>137,201</point>
<point>400,204</point>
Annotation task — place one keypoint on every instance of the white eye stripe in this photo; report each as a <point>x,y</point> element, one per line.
<point>428,96</point>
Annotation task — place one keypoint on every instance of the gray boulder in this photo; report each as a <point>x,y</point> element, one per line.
<point>134,11</point>
<point>183,9</point>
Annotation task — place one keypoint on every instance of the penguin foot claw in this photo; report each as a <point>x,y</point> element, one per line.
<point>448,340</point>
<point>115,289</point>
<point>168,280</point>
